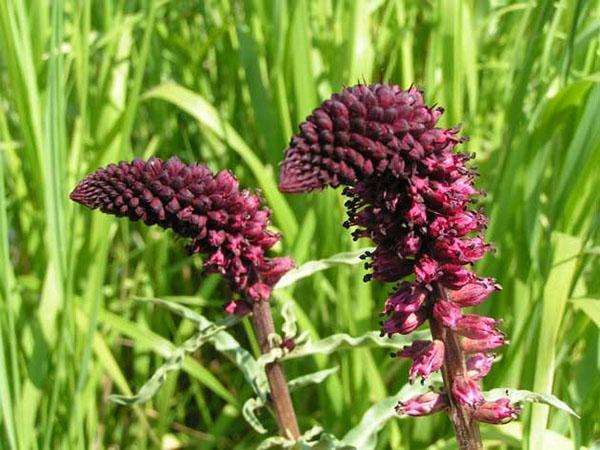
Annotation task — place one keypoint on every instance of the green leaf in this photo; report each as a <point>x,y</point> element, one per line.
<point>290,326</point>
<point>311,378</point>
<point>344,341</point>
<point>521,395</point>
<point>175,362</point>
<point>364,435</point>
<point>148,339</point>
<point>224,343</point>
<point>248,412</point>
<point>253,404</point>
<point>311,267</point>
<point>590,307</point>
<point>565,249</point>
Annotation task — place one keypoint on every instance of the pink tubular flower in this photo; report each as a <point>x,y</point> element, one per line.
<point>225,223</point>
<point>423,405</point>
<point>407,298</point>
<point>479,365</point>
<point>497,412</point>
<point>476,327</point>
<point>447,313</point>
<point>466,391</point>
<point>412,195</point>
<point>403,323</point>
<point>474,293</point>
<point>427,357</point>
<point>494,340</point>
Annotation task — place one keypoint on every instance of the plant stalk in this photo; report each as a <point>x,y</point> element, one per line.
<point>466,429</point>
<point>280,394</point>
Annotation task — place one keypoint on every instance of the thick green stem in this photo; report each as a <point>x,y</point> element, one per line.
<point>280,394</point>
<point>466,429</point>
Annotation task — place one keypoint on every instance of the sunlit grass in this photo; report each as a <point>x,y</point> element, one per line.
<point>224,82</point>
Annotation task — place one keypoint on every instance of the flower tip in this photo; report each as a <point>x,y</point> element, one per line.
<point>84,196</point>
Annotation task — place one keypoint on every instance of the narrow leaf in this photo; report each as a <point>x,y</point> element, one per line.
<point>521,395</point>
<point>311,267</point>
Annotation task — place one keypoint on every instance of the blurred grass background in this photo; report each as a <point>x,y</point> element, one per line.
<point>84,83</point>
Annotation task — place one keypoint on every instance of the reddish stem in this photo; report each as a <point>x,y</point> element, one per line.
<point>466,429</point>
<point>280,394</point>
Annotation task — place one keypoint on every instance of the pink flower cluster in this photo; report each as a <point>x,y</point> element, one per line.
<point>225,223</point>
<point>411,194</point>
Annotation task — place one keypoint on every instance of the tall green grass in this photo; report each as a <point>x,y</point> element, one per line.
<point>85,83</point>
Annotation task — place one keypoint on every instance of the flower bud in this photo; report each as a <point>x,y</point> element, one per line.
<point>455,276</point>
<point>426,269</point>
<point>474,293</point>
<point>403,323</point>
<point>494,340</point>
<point>447,313</point>
<point>423,405</point>
<point>497,412</point>
<point>466,391</point>
<point>476,327</point>
<point>427,357</point>
<point>407,298</point>
<point>479,365</point>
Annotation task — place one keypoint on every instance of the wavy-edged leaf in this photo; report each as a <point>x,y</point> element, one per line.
<point>364,435</point>
<point>249,413</point>
<point>253,404</point>
<point>290,326</point>
<point>149,340</point>
<point>223,342</point>
<point>344,341</point>
<point>522,395</point>
<point>174,362</point>
<point>311,267</point>
<point>311,378</point>
<point>306,442</point>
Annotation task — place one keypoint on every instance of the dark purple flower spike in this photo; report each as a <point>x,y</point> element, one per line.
<point>412,194</point>
<point>225,223</point>
<point>228,225</point>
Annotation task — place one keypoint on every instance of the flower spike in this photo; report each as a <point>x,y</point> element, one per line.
<point>412,194</point>
<point>225,223</point>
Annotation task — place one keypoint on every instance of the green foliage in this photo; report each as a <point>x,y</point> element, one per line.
<point>226,82</point>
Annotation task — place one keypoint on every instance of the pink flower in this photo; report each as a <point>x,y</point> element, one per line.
<point>474,293</point>
<point>476,327</point>
<point>427,357</point>
<point>237,308</point>
<point>479,365</point>
<point>423,405</point>
<point>447,313</point>
<point>455,276</point>
<point>272,269</point>
<point>388,267</point>
<point>407,298</point>
<point>494,340</point>
<point>466,391</point>
<point>426,269</point>
<point>497,412</point>
<point>403,323</point>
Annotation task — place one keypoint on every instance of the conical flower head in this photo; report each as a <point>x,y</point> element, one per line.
<point>361,131</point>
<point>412,195</point>
<point>225,223</point>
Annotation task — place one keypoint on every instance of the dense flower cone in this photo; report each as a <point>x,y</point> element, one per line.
<point>225,223</point>
<point>364,130</point>
<point>410,193</point>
